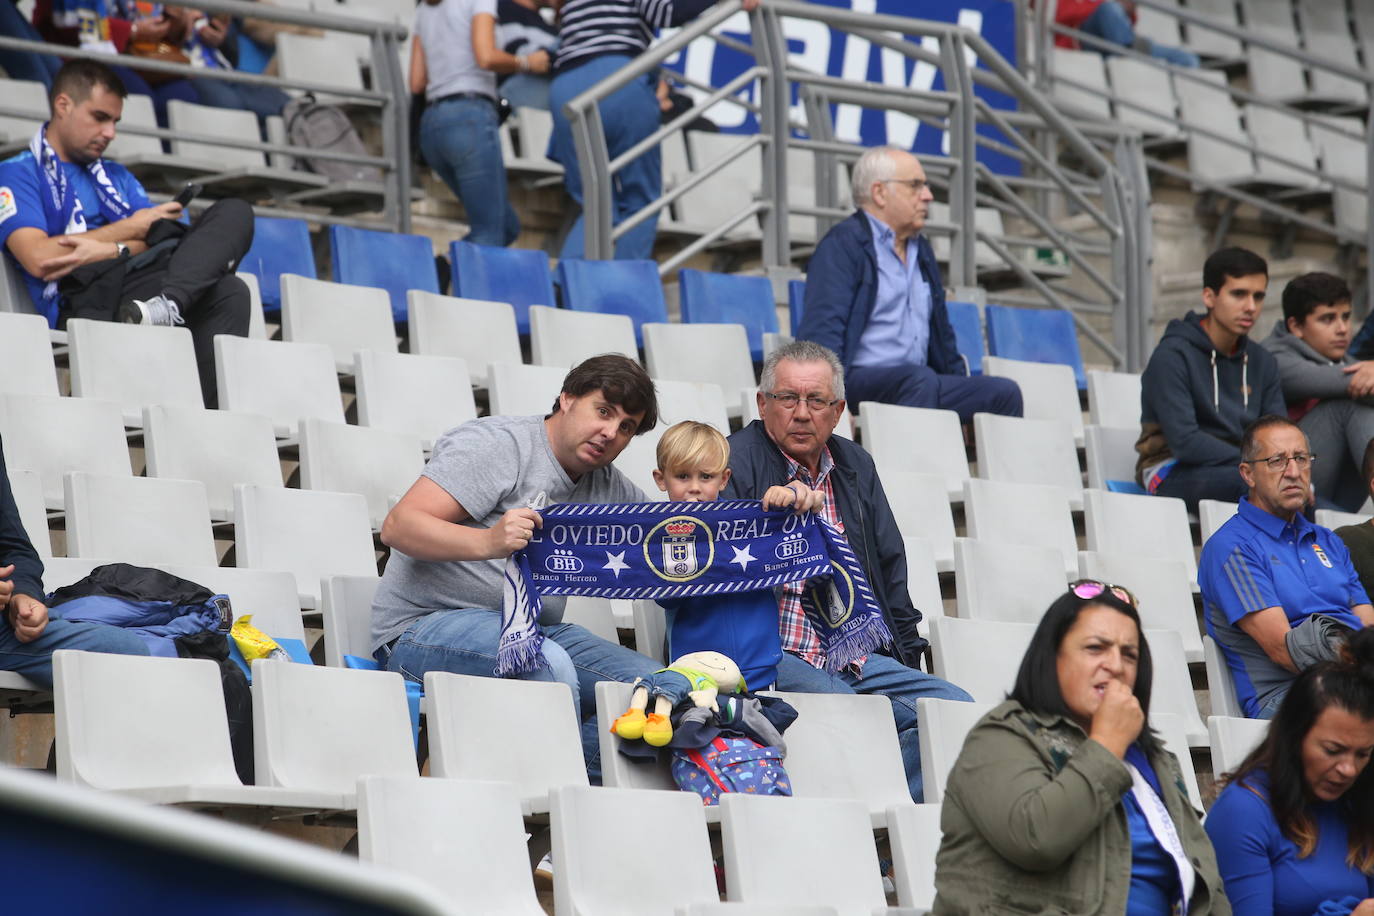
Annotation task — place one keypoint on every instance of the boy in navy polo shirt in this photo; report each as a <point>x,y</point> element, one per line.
<point>1268,570</point>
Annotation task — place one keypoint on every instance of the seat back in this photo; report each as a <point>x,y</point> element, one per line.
<point>310,533</point>
<point>1080,82</point>
<point>1212,514</point>
<point>1114,399</point>
<point>409,825</point>
<point>944,726</point>
<point>764,839</point>
<point>138,112</point>
<point>1220,687</point>
<point>185,118</point>
<point>347,606</point>
<point>268,595</point>
<point>1173,733</point>
<point>914,832</point>
<point>1017,450</point>
<point>378,463</point>
<point>280,246</point>
<point>134,365</point>
<point>715,353</point>
<point>26,354</point>
<point>54,435</point>
<point>1232,739</point>
<point>476,330</point>
<point>519,390</point>
<point>1143,526</point>
<point>700,401</point>
<point>28,96</point>
<point>1048,391</point>
<point>730,186</point>
<point>1111,455</point>
<point>981,656</point>
<point>1282,134</point>
<point>317,59</point>
<point>916,439</point>
<point>27,488</point>
<point>1161,586</point>
<point>516,276</point>
<point>525,732</point>
<point>1013,582</point>
<point>726,298</point>
<point>967,320</point>
<point>141,520</point>
<point>320,728</point>
<point>921,506</point>
<point>1144,93</point>
<point>630,288</point>
<point>564,338</point>
<point>1334,518</point>
<point>1173,687</point>
<point>217,447</point>
<point>923,581</point>
<point>420,396</point>
<point>1021,513</point>
<point>796,304</point>
<point>587,823</point>
<point>286,382</point>
<point>617,770</point>
<point>394,261</point>
<point>343,317</point>
<point>133,722</point>
<point>1035,335</point>
<point>15,297</point>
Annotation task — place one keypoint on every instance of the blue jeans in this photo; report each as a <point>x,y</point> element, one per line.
<point>34,659</point>
<point>1110,22</point>
<point>627,116</point>
<point>526,90</point>
<point>464,642</point>
<point>458,138</point>
<point>922,386</point>
<point>24,65</point>
<point>881,675</point>
<point>1191,482</point>
<point>263,101</point>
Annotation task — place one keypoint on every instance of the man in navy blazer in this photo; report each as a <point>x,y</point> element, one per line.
<point>874,296</point>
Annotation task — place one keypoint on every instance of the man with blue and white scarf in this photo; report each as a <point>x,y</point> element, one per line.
<point>80,228</point>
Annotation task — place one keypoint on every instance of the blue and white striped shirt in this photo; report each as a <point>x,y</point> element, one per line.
<point>590,28</point>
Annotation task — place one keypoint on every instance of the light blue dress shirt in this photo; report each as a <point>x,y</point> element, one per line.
<point>898,330</point>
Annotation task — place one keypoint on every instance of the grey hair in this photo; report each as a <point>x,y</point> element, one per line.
<point>803,351</point>
<point>876,164</point>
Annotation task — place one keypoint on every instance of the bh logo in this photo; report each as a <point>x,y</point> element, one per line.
<point>794,545</point>
<point>679,549</point>
<point>563,561</point>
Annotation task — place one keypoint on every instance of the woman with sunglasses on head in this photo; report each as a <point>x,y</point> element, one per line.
<point>1294,827</point>
<point>1062,799</point>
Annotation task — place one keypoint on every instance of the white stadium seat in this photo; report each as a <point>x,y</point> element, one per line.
<point>344,317</point>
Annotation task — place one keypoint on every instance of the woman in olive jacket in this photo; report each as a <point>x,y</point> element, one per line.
<point>1061,800</point>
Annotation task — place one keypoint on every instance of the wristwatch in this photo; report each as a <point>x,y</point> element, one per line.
<point>121,250</point>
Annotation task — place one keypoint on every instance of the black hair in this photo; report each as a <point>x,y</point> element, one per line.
<point>1248,445</point>
<point>1231,262</point>
<point>622,380</point>
<point>1303,294</point>
<point>1037,682</point>
<point>1348,683</point>
<point>80,75</point>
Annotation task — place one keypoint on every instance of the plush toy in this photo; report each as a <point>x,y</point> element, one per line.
<point>698,675</point>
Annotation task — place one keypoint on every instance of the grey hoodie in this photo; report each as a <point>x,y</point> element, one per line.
<point>1305,374</point>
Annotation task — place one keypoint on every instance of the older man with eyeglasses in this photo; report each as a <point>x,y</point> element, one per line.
<point>801,398</point>
<point>1279,593</point>
<point>874,296</point>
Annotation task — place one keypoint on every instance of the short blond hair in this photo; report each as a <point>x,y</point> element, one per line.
<point>692,445</point>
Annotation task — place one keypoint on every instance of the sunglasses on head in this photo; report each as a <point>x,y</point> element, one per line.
<point>1091,588</point>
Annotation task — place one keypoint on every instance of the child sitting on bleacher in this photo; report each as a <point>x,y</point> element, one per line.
<point>693,466</point>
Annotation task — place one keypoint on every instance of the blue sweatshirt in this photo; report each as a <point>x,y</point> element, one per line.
<point>15,547</point>
<point>741,626</point>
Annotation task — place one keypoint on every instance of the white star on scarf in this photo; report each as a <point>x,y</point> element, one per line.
<point>615,562</point>
<point>743,557</point>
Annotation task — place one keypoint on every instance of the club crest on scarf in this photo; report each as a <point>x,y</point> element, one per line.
<point>669,550</point>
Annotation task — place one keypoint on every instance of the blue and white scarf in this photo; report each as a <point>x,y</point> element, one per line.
<point>61,205</point>
<point>683,549</point>
<point>89,18</point>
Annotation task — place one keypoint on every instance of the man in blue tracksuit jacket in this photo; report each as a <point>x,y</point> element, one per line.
<point>874,297</point>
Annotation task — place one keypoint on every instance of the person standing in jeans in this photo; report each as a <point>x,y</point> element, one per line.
<point>454,62</point>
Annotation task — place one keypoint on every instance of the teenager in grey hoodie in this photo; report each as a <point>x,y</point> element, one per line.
<point>1330,394</point>
<point>1205,383</point>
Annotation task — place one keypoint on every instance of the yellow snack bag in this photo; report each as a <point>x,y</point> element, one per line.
<point>254,643</point>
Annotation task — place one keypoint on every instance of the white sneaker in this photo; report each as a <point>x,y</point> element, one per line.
<point>157,310</point>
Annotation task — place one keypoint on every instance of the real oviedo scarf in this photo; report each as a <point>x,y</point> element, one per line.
<point>681,549</point>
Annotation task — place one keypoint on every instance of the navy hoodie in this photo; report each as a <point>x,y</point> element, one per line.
<point>1196,402</point>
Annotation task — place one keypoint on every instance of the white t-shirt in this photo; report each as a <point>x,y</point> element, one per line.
<point>445,32</point>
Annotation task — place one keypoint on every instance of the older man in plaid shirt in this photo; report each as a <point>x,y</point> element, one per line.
<point>801,398</point>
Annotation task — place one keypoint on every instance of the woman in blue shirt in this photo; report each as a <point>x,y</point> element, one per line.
<point>1294,827</point>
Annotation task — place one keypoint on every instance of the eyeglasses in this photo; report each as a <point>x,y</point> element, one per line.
<point>917,185</point>
<point>789,400</point>
<point>1280,462</point>
<point>1091,588</point>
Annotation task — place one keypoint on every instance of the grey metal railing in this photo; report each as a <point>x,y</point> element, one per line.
<point>1047,29</point>
<point>389,94</point>
<point>1102,188</point>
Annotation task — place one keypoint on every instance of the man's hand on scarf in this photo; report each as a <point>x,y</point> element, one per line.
<point>799,497</point>
<point>512,532</point>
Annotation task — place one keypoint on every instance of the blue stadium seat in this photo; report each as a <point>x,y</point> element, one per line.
<point>968,333</point>
<point>629,288</point>
<point>280,246</point>
<point>709,298</point>
<point>394,261</point>
<point>796,301</point>
<point>518,276</point>
<point>1037,336</point>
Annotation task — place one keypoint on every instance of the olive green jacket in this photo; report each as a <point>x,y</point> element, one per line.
<point>1033,822</point>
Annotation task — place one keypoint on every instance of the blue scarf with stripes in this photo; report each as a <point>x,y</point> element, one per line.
<point>684,549</point>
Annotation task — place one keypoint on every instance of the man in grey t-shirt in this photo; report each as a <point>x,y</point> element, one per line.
<point>438,607</point>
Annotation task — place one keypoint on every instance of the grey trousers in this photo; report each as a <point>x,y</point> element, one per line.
<point>1338,430</point>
